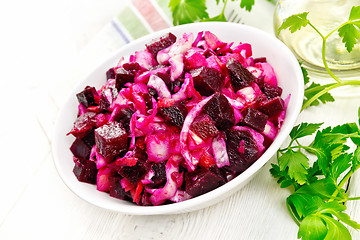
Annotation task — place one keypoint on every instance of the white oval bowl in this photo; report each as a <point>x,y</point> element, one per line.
<point>289,76</point>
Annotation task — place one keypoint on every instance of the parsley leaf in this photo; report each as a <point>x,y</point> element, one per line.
<point>283,178</point>
<point>314,89</point>
<point>296,163</point>
<point>312,227</point>
<point>295,22</point>
<point>305,74</point>
<point>187,11</point>
<point>350,31</point>
<point>321,224</point>
<point>350,35</point>
<point>304,129</point>
<point>247,4</point>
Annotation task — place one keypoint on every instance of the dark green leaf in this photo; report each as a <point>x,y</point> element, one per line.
<point>314,89</point>
<point>323,188</point>
<point>296,163</point>
<point>295,22</point>
<point>247,4</point>
<point>305,74</point>
<point>304,129</point>
<point>187,11</point>
<point>340,164</point>
<point>356,160</point>
<point>283,178</point>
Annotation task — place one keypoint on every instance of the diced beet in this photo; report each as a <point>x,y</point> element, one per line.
<point>110,74</point>
<point>254,118</point>
<point>201,181</point>
<point>159,179</point>
<point>165,77</point>
<point>83,124</point>
<point>132,67</point>
<point>272,106</point>
<point>174,114</point>
<point>106,98</point>
<point>240,139</point>
<point>116,190</point>
<point>260,59</point>
<point>204,127</point>
<point>271,91</point>
<point>87,96</point>
<point>153,93</point>
<point>111,140</point>
<point>147,99</point>
<point>135,173</point>
<point>124,116</point>
<point>122,77</point>
<point>239,76</point>
<point>85,170</point>
<point>160,43</point>
<point>80,149</point>
<point>207,80</point>
<point>220,111</point>
<point>145,200</point>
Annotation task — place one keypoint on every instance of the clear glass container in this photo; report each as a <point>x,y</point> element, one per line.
<point>306,44</point>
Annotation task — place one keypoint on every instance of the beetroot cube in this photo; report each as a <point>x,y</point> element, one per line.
<point>160,43</point>
<point>240,160</point>
<point>132,67</point>
<point>83,124</point>
<point>220,111</point>
<point>85,170</point>
<point>204,127</point>
<point>87,96</point>
<point>80,149</point>
<point>239,76</point>
<point>116,190</point>
<point>272,106</point>
<point>124,116</point>
<point>159,178</point>
<point>122,77</point>
<point>174,114</point>
<point>202,181</point>
<point>111,140</point>
<point>110,74</point>
<point>271,91</point>
<point>254,118</point>
<point>207,80</point>
<point>135,173</point>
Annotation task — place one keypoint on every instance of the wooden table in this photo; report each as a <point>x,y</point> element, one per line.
<point>46,48</point>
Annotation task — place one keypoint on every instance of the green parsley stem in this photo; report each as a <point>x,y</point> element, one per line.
<point>354,198</point>
<point>223,10</point>
<point>327,89</point>
<point>324,38</point>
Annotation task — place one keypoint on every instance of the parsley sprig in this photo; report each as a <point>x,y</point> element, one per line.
<point>189,11</point>
<point>317,202</point>
<point>349,32</point>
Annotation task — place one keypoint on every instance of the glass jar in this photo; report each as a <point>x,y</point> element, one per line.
<point>306,44</point>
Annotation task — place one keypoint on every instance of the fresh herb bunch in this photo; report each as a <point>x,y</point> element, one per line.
<point>349,32</point>
<point>189,11</point>
<point>318,198</point>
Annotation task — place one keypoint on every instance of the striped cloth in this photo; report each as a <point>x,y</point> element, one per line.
<point>141,17</point>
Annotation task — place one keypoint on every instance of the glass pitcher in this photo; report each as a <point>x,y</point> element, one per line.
<point>306,44</point>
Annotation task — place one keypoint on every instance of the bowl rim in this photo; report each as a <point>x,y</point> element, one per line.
<point>217,194</point>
